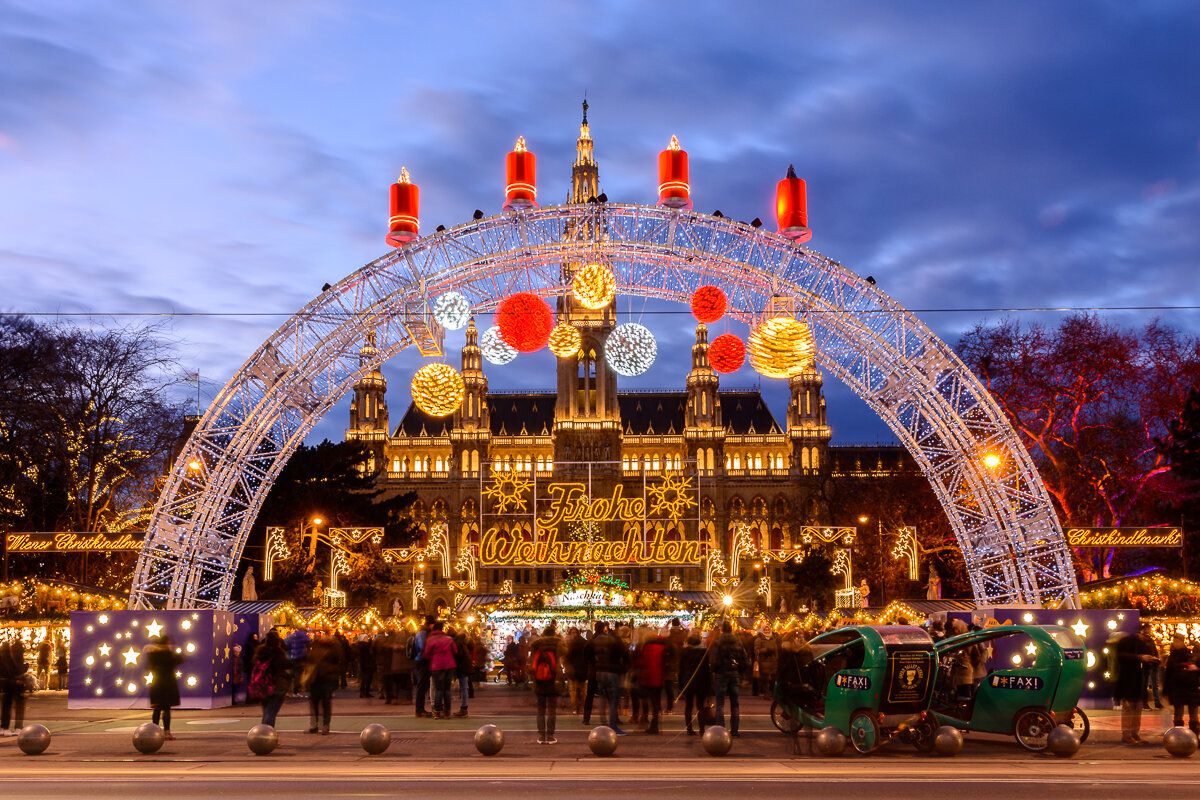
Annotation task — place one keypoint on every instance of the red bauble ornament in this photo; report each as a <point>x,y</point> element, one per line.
<point>726,353</point>
<point>708,304</point>
<point>525,321</point>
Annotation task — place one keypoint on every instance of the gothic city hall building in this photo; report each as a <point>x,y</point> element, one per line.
<point>674,491</point>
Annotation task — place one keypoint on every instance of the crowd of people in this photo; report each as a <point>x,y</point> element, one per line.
<point>1141,674</point>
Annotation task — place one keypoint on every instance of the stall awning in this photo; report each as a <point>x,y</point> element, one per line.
<point>255,606</point>
<point>467,602</point>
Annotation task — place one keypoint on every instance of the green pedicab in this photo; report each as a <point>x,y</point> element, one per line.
<point>871,682</point>
<point>1026,700</point>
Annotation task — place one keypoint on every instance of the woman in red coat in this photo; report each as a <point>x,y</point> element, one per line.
<point>652,671</point>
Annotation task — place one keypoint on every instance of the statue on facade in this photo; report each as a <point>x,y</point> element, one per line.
<point>249,592</point>
<point>783,605</point>
<point>864,594</point>
<point>933,588</point>
<point>397,608</point>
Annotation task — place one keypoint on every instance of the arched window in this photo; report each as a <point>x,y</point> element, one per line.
<point>396,464</point>
<point>804,459</point>
<point>466,461</point>
<point>474,461</point>
<point>815,459</point>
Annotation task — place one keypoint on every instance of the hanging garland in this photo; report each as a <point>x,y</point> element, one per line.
<point>708,304</point>
<point>594,286</point>
<point>781,347</point>
<point>630,349</point>
<point>524,321</point>
<point>452,311</point>
<point>494,348</point>
<point>565,340</point>
<point>438,389</point>
<point>727,353</point>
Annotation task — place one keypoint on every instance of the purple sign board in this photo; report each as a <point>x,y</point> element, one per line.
<point>108,669</point>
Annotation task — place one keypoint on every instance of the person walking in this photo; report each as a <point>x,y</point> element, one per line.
<point>297,643</point>
<point>322,676</point>
<point>1151,673</point>
<point>270,676</point>
<point>652,670</point>
<point>590,688</point>
<point>728,663</point>
<point>44,651</point>
<point>610,659</point>
<point>12,683</point>
<point>439,654</point>
<point>364,654</point>
<point>766,659</point>
<point>161,662</point>
<point>421,671</point>
<point>464,664</point>
<point>676,640</point>
<point>547,654</point>
<point>576,669</point>
<point>1183,683</point>
<point>695,680</point>
<point>1130,689</point>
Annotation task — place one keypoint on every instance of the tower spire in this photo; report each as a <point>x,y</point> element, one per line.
<point>585,174</point>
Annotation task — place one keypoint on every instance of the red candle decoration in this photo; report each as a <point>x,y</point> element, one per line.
<point>521,172</point>
<point>525,321</point>
<point>403,223</point>
<point>708,304</point>
<point>791,207</point>
<point>673,188</point>
<point>726,353</point>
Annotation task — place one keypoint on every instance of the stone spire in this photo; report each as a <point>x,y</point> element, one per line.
<point>585,174</point>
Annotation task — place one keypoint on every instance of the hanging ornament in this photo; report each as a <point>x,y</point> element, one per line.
<point>438,389</point>
<point>565,340</point>
<point>594,286</point>
<point>452,311</point>
<point>726,353</point>
<point>781,347</point>
<point>708,304</point>
<point>630,349</point>
<point>524,321</point>
<point>494,348</point>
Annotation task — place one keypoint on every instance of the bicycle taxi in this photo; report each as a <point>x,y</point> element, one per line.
<point>1036,688</point>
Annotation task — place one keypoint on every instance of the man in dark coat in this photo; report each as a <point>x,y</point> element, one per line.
<point>1183,683</point>
<point>161,662</point>
<point>12,683</point>
<point>729,661</point>
<point>1132,657</point>
<point>695,680</point>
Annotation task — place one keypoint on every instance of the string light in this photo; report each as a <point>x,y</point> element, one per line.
<point>727,353</point>
<point>452,310</point>
<point>438,389</point>
<point>594,286</point>
<point>630,349</point>
<point>565,340</point>
<point>708,304</point>
<point>524,321</point>
<point>781,347</point>
<point>494,348</point>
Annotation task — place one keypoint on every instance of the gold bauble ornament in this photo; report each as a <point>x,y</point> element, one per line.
<point>565,340</point>
<point>594,286</point>
<point>438,389</point>
<point>781,347</point>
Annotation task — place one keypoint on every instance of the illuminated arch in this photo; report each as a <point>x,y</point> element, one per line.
<point>1002,516</point>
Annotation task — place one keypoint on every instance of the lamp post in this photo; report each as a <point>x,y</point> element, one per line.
<point>311,530</point>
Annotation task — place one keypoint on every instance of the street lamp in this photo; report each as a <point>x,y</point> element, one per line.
<point>312,546</point>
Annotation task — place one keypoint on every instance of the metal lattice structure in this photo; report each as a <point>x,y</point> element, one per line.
<point>1002,516</point>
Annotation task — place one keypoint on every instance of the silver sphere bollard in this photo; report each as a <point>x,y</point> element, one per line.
<point>148,738</point>
<point>34,739</point>
<point>831,742</point>
<point>947,741</point>
<point>375,739</point>
<point>1063,741</point>
<point>716,740</point>
<point>1180,742</point>
<point>262,739</point>
<point>489,740</point>
<point>602,740</point>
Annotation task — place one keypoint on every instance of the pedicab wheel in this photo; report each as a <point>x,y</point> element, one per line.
<point>782,720</point>
<point>864,732</point>
<point>1032,728</point>
<point>921,735</point>
<point>1078,722</point>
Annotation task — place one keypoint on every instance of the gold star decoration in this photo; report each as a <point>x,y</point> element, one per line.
<point>1080,627</point>
<point>154,629</point>
<point>130,655</point>
<point>1031,649</point>
<point>671,497</point>
<point>105,650</point>
<point>508,489</point>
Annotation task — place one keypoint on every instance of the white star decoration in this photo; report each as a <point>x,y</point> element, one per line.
<point>154,629</point>
<point>1080,627</point>
<point>1031,649</point>
<point>105,650</point>
<point>131,656</point>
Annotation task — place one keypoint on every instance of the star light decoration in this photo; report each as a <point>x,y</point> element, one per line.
<point>630,349</point>
<point>1080,627</point>
<point>153,629</point>
<point>438,389</point>
<point>594,286</point>
<point>452,311</point>
<point>565,340</point>
<point>781,347</point>
<point>130,656</point>
<point>671,497</point>
<point>507,490</point>
<point>494,348</point>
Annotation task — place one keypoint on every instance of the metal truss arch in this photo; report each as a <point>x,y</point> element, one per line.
<point>1001,515</point>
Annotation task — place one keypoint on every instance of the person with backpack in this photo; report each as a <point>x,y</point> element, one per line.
<point>728,662</point>
<point>416,651</point>
<point>271,676</point>
<point>439,653</point>
<point>161,662</point>
<point>546,661</point>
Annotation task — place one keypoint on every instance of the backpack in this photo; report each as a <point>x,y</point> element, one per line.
<point>260,681</point>
<point>545,666</point>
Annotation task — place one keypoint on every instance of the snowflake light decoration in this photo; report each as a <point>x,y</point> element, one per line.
<point>594,286</point>
<point>671,497</point>
<point>565,340</point>
<point>494,348</point>
<point>630,349</point>
<point>507,489</point>
<point>438,389</point>
<point>452,311</point>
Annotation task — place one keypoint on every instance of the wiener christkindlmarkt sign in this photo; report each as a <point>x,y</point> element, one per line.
<point>562,510</point>
<point>1125,537</point>
<point>68,542</point>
